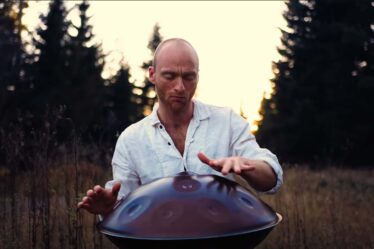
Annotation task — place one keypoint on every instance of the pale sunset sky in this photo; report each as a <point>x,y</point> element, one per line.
<point>236,41</point>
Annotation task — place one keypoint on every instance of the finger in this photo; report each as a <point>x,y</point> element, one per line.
<point>83,206</point>
<point>86,200</point>
<point>214,164</point>
<point>248,166</point>
<point>227,166</point>
<point>91,193</point>
<point>218,163</point>
<point>98,189</point>
<point>203,158</point>
<point>237,167</point>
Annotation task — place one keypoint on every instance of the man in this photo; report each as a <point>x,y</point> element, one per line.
<point>183,134</point>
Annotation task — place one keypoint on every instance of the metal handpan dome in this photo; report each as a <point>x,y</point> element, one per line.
<point>187,210</point>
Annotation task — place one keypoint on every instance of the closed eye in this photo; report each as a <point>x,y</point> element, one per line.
<point>189,77</point>
<point>168,75</point>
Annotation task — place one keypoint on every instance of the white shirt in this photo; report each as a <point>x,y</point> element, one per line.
<point>145,151</point>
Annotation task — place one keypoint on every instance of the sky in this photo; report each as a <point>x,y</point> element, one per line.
<point>236,42</point>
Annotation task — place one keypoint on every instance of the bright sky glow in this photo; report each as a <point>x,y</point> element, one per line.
<point>236,41</point>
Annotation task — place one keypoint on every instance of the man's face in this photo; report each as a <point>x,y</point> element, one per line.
<point>175,76</point>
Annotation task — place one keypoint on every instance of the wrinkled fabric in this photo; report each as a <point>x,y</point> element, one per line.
<point>145,152</point>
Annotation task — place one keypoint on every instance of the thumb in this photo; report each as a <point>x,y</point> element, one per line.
<point>203,158</point>
<point>115,189</point>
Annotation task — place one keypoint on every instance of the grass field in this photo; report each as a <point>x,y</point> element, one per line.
<point>330,208</point>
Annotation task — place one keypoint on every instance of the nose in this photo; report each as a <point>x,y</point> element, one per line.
<point>179,85</point>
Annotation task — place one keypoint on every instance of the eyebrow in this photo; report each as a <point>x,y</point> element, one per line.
<point>177,72</point>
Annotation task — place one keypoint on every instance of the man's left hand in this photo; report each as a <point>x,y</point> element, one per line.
<point>228,164</point>
<point>257,173</point>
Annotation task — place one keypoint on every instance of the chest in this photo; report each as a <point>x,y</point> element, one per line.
<point>178,135</point>
<point>167,152</point>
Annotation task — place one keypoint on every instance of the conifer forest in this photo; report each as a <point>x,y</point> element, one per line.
<point>60,120</point>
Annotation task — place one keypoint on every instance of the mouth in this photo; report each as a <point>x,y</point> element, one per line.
<point>178,98</point>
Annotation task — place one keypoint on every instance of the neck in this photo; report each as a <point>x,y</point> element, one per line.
<point>174,118</point>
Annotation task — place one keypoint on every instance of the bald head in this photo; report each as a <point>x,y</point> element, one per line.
<point>175,43</point>
<point>175,74</point>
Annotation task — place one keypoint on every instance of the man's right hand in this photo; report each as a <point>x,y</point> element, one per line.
<point>100,200</point>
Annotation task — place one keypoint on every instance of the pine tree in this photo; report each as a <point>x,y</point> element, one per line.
<point>12,57</point>
<point>363,118</point>
<point>86,86</point>
<point>51,68</point>
<point>121,109</point>
<point>310,115</point>
<point>279,128</point>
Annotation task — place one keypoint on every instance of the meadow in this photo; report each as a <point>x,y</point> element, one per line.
<point>323,208</point>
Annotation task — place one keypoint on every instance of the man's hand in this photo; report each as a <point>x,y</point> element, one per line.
<point>100,200</point>
<point>228,164</point>
<point>257,173</point>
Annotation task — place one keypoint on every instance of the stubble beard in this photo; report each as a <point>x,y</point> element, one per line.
<point>179,106</point>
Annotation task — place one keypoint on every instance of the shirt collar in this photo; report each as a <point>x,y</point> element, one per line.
<point>153,116</point>
<point>201,112</point>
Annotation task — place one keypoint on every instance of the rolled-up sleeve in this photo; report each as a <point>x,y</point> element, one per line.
<point>123,169</point>
<point>243,143</point>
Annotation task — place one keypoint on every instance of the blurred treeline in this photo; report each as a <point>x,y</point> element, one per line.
<point>321,108</point>
<point>51,79</point>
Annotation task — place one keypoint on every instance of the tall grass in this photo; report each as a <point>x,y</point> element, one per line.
<point>40,184</point>
<point>328,208</point>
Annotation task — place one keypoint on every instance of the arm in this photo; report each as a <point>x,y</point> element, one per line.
<point>258,166</point>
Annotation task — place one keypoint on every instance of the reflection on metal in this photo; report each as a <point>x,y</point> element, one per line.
<point>189,210</point>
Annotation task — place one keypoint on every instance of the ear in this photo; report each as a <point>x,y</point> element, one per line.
<point>151,74</point>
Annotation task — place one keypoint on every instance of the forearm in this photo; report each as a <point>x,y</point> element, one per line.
<point>263,178</point>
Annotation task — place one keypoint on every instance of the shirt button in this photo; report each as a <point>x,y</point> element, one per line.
<point>160,126</point>
<point>169,143</point>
